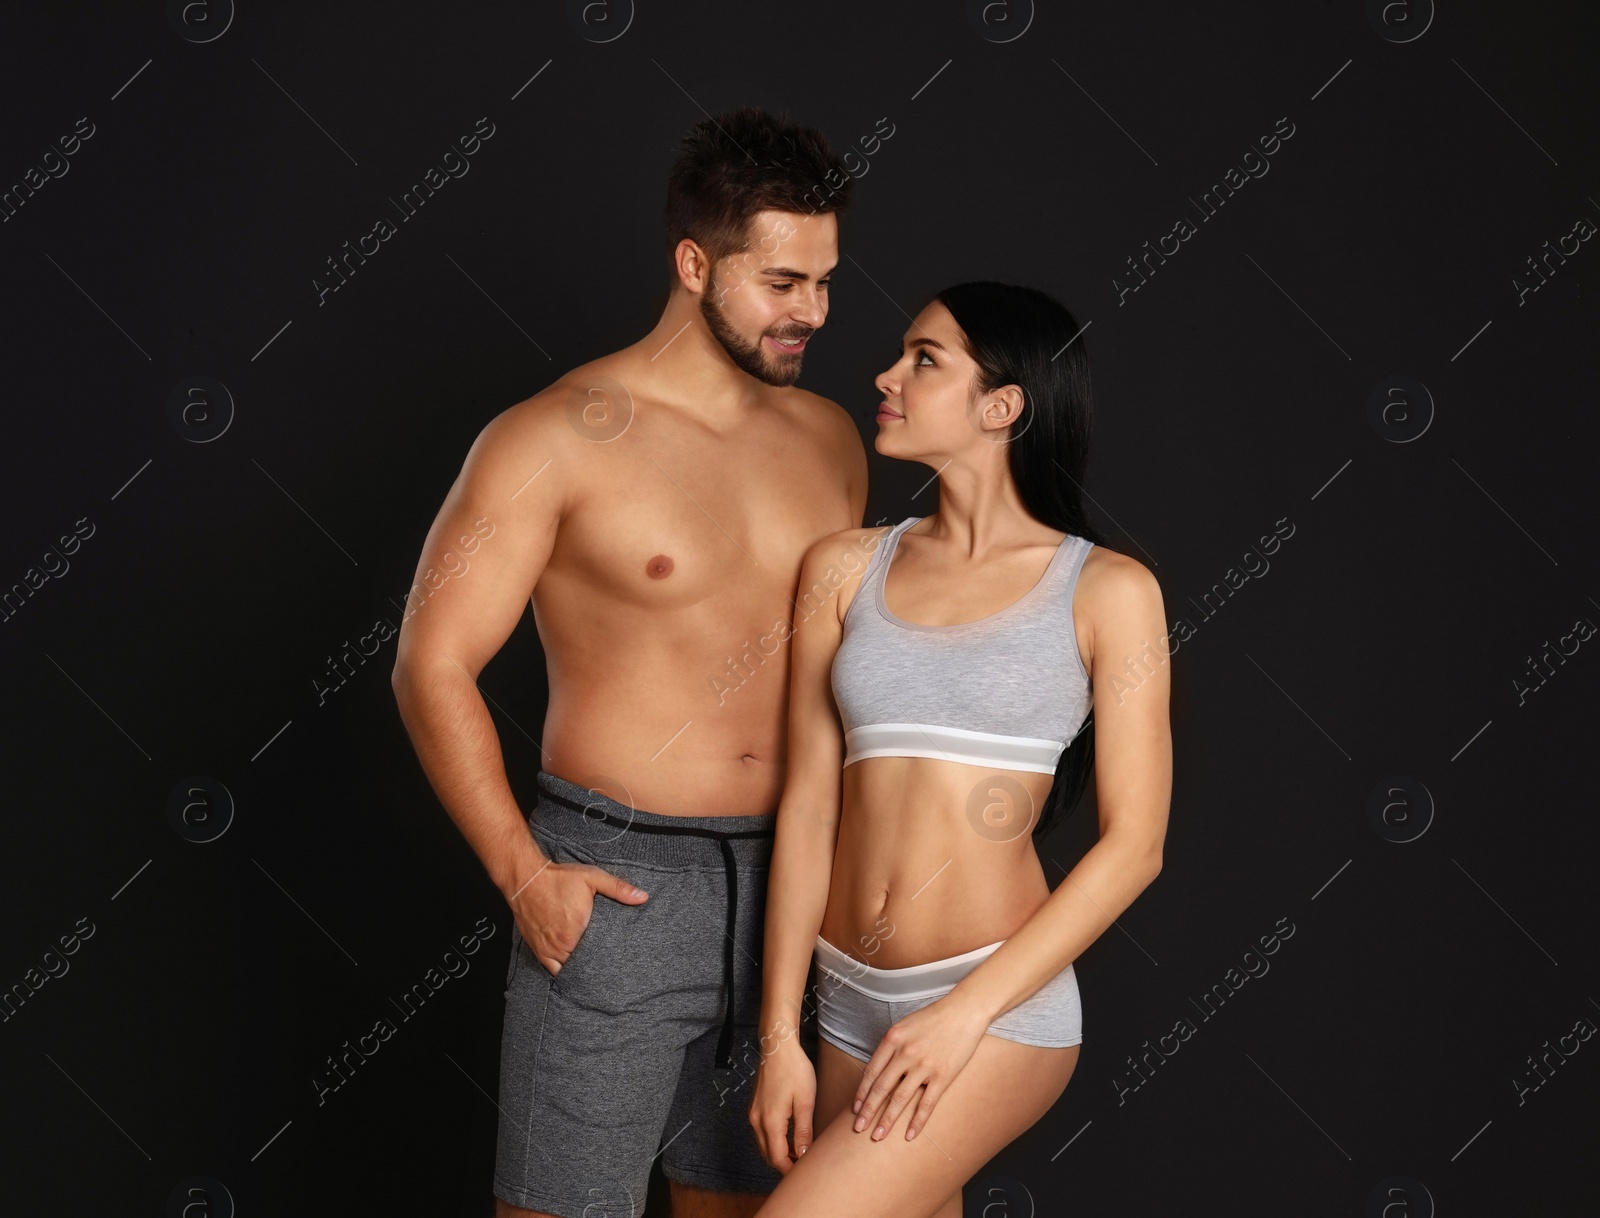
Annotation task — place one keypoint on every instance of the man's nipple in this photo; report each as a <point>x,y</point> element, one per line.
<point>658,567</point>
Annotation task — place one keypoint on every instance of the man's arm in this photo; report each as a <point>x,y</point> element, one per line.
<point>508,498</point>
<point>842,442</point>
<point>853,459</point>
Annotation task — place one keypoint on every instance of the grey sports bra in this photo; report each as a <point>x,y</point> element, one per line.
<point>1008,690</point>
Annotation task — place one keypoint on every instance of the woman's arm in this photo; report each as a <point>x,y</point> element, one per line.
<point>807,832</point>
<point>808,811</point>
<point>1133,786</point>
<point>1133,767</point>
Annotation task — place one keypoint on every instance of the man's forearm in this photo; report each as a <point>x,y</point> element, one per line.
<point>797,898</point>
<point>454,736</point>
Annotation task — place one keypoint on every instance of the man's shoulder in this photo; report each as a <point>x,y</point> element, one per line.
<point>581,404</point>
<point>815,410</point>
<point>542,443</point>
<point>828,430</point>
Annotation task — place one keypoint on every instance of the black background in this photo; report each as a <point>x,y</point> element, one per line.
<point>1432,155</point>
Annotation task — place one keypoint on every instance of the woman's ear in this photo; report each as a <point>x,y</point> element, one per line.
<point>1001,408</point>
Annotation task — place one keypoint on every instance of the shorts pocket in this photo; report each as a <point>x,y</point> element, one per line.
<point>557,850</point>
<point>516,956</point>
<point>586,941</point>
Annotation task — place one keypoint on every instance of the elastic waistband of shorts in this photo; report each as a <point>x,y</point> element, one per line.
<point>933,979</point>
<point>605,828</point>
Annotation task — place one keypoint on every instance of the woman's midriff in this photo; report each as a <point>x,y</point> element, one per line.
<point>934,859</point>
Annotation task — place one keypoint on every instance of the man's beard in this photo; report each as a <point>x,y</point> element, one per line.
<point>751,358</point>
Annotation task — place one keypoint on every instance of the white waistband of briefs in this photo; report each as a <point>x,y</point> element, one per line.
<point>1029,753</point>
<point>900,984</point>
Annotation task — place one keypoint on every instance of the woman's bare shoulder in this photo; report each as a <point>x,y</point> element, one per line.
<point>833,566</point>
<point>1117,592</point>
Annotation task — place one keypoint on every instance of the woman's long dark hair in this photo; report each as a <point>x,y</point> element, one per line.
<point>1020,336</point>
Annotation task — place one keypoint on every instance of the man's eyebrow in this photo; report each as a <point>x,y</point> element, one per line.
<point>785,272</point>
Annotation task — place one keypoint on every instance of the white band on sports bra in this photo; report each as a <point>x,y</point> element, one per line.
<point>952,744</point>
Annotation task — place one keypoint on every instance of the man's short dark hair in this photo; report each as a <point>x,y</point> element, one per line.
<point>735,164</point>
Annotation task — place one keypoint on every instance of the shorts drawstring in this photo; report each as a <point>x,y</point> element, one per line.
<point>725,1041</point>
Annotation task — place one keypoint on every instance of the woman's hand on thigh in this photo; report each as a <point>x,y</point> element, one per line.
<point>916,1061</point>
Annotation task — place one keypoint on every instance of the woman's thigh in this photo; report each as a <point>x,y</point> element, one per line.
<point>1003,1090</point>
<point>838,1076</point>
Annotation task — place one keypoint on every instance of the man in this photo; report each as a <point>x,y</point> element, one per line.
<point>655,505</point>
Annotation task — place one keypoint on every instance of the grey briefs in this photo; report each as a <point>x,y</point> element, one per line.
<point>857,1004</point>
<point>644,1042</point>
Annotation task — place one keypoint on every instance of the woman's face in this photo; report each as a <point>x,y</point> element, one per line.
<point>929,410</point>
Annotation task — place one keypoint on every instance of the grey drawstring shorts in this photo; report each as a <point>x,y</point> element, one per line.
<point>645,1041</point>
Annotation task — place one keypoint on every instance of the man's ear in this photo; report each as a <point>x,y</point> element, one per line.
<point>693,266</point>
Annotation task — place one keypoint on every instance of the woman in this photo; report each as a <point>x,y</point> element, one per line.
<point>947,1004</point>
